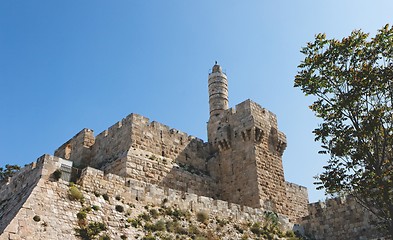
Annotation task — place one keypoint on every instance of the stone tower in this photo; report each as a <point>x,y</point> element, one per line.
<point>241,163</point>
<point>218,92</point>
<point>248,147</point>
<point>218,96</point>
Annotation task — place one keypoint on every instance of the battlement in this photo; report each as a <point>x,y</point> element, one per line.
<point>37,195</point>
<point>345,216</point>
<point>241,163</point>
<point>132,190</point>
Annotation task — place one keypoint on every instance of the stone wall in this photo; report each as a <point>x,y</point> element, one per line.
<point>270,144</point>
<point>15,193</point>
<point>297,197</point>
<point>112,144</point>
<point>50,201</point>
<point>241,163</point>
<point>77,149</point>
<point>93,180</point>
<point>340,218</point>
<point>250,148</point>
<point>236,156</point>
<point>147,151</point>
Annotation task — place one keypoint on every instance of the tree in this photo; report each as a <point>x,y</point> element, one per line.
<point>351,81</point>
<point>8,171</point>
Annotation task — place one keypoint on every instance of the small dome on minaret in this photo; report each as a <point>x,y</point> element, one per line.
<point>216,68</point>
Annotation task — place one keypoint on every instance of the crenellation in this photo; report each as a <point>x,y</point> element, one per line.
<point>345,216</point>
<point>237,173</point>
<point>77,149</point>
<point>297,200</point>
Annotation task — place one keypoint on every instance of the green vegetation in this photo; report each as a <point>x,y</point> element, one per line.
<point>167,223</point>
<point>75,193</point>
<point>95,207</point>
<point>149,237</point>
<point>104,237</point>
<point>134,222</point>
<point>91,230</point>
<point>8,171</point>
<point>87,209</point>
<point>157,226</point>
<point>81,215</point>
<point>144,216</point>
<point>154,213</point>
<point>202,217</point>
<point>351,82</point>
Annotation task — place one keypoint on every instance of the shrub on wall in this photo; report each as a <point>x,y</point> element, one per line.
<point>91,230</point>
<point>202,217</point>
<point>81,215</point>
<point>75,193</point>
<point>95,207</point>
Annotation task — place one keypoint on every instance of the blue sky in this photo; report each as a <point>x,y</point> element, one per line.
<point>67,65</point>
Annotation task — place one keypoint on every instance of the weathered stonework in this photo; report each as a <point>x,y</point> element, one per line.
<point>241,163</point>
<point>340,218</point>
<point>238,173</point>
<point>35,193</point>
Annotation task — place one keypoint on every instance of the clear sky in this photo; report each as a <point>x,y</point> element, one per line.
<point>69,65</point>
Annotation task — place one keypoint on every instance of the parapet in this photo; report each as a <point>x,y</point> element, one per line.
<point>345,218</point>
<point>77,149</point>
<point>94,180</point>
<point>297,199</point>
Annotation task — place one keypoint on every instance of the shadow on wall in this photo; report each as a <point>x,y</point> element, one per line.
<point>15,193</point>
<point>190,172</point>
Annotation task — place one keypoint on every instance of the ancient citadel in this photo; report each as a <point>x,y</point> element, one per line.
<point>237,174</point>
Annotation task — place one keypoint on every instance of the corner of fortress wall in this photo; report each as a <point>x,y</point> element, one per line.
<point>246,137</point>
<point>131,133</point>
<point>15,192</point>
<point>148,151</point>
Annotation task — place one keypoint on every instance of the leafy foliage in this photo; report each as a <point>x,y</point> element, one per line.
<point>8,171</point>
<point>352,81</point>
<point>91,230</point>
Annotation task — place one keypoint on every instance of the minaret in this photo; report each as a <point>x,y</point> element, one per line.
<point>218,93</point>
<point>218,102</point>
